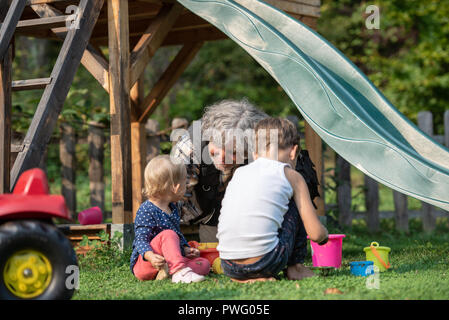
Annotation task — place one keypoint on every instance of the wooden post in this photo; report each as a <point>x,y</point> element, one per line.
<point>138,144</point>
<point>5,121</point>
<point>68,166</point>
<point>344,198</point>
<point>372,204</point>
<point>315,148</point>
<point>96,141</point>
<point>10,21</point>
<point>153,141</point>
<point>400,210</point>
<point>138,149</point>
<point>425,123</point>
<point>120,104</point>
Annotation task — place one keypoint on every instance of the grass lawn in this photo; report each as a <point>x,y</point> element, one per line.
<point>420,270</point>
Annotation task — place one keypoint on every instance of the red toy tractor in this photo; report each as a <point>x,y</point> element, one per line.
<point>35,256</point>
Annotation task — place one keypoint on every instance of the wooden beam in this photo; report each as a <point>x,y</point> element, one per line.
<point>138,149</point>
<point>67,156</point>
<point>41,23</point>
<point>92,59</point>
<point>314,146</point>
<point>5,112</point>
<point>32,84</point>
<point>9,25</point>
<point>33,2</point>
<point>55,93</point>
<point>168,79</point>
<point>5,120</point>
<point>296,8</point>
<point>152,39</point>
<point>138,14</point>
<point>96,141</point>
<point>97,65</point>
<point>180,37</point>
<point>120,104</point>
<point>157,1</point>
<point>137,95</point>
<point>425,123</point>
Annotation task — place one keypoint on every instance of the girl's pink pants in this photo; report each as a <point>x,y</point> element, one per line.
<point>166,244</point>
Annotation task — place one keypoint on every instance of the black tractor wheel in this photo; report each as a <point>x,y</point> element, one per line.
<point>36,262</point>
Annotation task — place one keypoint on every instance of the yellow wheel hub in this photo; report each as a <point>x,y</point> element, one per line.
<point>27,273</point>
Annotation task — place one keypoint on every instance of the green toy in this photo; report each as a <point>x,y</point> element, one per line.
<point>378,255</point>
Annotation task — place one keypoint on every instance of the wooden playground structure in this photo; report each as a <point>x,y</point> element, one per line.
<point>132,31</point>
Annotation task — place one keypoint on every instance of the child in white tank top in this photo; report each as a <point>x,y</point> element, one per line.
<point>258,223</point>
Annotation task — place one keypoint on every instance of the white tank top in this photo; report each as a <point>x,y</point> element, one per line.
<point>253,209</point>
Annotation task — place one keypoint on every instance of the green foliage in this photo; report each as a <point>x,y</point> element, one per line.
<point>407,58</point>
<point>105,253</point>
<point>217,73</point>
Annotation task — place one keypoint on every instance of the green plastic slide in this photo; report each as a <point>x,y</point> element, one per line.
<point>348,112</point>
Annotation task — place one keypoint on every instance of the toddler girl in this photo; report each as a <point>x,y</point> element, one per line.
<point>158,239</point>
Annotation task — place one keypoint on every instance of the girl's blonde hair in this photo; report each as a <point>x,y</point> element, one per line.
<point>161,174</point>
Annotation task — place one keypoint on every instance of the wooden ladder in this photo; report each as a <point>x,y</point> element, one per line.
<point>77,29</point>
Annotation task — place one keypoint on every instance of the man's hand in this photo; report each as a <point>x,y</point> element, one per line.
<point>156,260</point>
<point>191,252</point>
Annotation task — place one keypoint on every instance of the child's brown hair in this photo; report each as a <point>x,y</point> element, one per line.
<point>287,134</point>
<point>161,174</point>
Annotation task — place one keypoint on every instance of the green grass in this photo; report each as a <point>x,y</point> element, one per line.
<point>420,270</point>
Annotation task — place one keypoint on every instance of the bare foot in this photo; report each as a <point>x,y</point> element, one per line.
<point>299,272</point>
<point>253,280</point>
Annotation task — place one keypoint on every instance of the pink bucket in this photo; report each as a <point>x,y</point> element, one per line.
<point>90,216</point>
<point>328,255</point>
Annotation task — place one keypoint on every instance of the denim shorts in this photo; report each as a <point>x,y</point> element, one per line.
<point>291,249</point>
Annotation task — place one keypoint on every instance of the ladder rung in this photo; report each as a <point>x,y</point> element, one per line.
<point>16,148</point>
<point>43,23</point>
<point>32,84</point>
<point>32,2</point>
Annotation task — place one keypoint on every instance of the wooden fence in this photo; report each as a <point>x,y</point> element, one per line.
<point>97,138</point>
<point>428,213</point>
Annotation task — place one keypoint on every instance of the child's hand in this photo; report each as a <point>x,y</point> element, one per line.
<point>191,252</point>
<point>156,260</point>
<point>323,242</point>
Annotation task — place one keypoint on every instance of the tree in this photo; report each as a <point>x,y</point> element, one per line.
<point>407,58</point>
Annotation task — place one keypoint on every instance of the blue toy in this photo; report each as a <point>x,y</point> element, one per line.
<point>362,268</point>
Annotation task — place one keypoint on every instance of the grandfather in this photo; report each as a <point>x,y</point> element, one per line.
<point>210,150</point>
